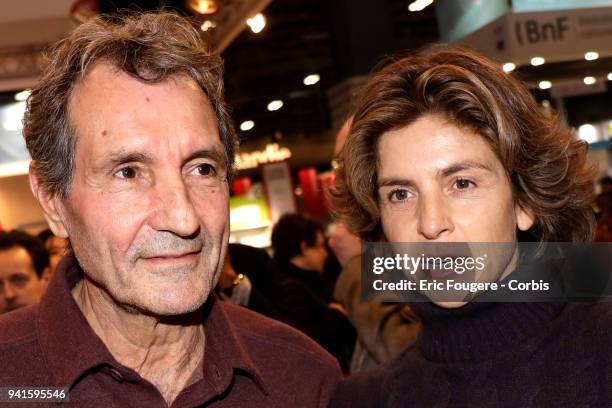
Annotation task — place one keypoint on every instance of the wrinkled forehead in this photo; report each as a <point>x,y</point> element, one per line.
<point>110,109</point>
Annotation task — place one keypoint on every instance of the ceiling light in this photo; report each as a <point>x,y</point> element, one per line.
<point>311,79</point>
<point>419,5</point>
<point>23,95</point>
<point>545,84</point>
<point>257,23</point>
<point>207,25</point>
<point>610,76</point>
<point>247,125</point>
<point>508,67</point>
<point>203,6</point>
<point>535,61</point>
<point>589,80</point>
<point>591,55</point>
<point>588,133</point>
<point>275,105</point>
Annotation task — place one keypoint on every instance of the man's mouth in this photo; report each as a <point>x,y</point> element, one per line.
<point>176,257</point>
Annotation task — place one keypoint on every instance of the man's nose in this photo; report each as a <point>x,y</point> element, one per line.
<point>175,212</point>
<point>8,292</point>
<point>434,218</point>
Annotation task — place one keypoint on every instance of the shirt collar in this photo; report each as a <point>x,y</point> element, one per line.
<point>71,347</point>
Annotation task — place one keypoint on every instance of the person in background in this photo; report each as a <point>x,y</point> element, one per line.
<point>57,248</point>
<point>23,262</point>
<point>299,250</point>
<point>242,281</point>
<point>384,330</point>
<point>447,147</point>
<point>132,151</point>
<point>604,204</point>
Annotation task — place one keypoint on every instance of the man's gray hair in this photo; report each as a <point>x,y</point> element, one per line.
<point>151,47</point>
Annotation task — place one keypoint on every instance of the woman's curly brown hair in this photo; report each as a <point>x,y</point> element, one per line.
<point>544,160</point>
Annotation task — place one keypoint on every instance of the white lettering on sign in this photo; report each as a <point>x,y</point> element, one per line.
<point>272,153</point>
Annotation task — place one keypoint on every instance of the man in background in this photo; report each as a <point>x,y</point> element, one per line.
<point>23,262</point>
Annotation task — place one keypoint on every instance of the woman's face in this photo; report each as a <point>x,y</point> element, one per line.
<point>438,182</point>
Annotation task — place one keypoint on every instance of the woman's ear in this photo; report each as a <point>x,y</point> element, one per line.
<point>524,217</point>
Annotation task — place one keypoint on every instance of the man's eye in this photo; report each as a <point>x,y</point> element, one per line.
<point>205,170</point>
<point>126,173</point>
<point>399,195</point>
<point>462,184</point>
<point>19,280</point>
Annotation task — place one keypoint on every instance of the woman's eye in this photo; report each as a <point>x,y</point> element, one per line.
<point>126,173</point>
<point>398,195</point>
<point>205,170</point>
<point>462,184</point>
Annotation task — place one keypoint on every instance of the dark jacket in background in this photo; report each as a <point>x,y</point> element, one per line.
<point>301,296</point>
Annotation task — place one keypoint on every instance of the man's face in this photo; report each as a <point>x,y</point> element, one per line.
<point>441,183</point>
<point>19,284</point>
<point>147,214</point>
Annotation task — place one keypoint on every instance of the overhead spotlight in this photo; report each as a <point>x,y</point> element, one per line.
<point>257,23</point>
<point>419,5</point>
<point>588,133</point>
<point>202,6</point>
<point>591,55</point>
<point>610,76</point>
<point>207,25</point>
<point>311,79</point>
<point>545,84</point>
<point>508,67</point>
<point>275,105</point>
<point>535,61</point>
<point>589,80</point>
<point>23,95</point>
<point>247,125</point>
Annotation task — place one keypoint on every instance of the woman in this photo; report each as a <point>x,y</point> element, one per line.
<point>446,147</point>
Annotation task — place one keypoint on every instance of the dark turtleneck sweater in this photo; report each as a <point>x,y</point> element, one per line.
<point>496,355</point>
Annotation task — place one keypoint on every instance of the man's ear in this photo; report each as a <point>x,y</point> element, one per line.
<point>46,275</point>
<point>524,217</point>
<point>303,247</point>
<point>50,204</point>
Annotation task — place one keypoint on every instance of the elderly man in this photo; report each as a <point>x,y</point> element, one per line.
<point>131,149</point>
<point>23,262</point>
<point>446,147</point>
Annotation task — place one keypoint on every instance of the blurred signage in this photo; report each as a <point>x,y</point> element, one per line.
<point>248,213</point>
<point>458,18</point>
<point>554,35</point>
<point>541,5</point>
<point>272,153</point>
<point>278,189</point>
